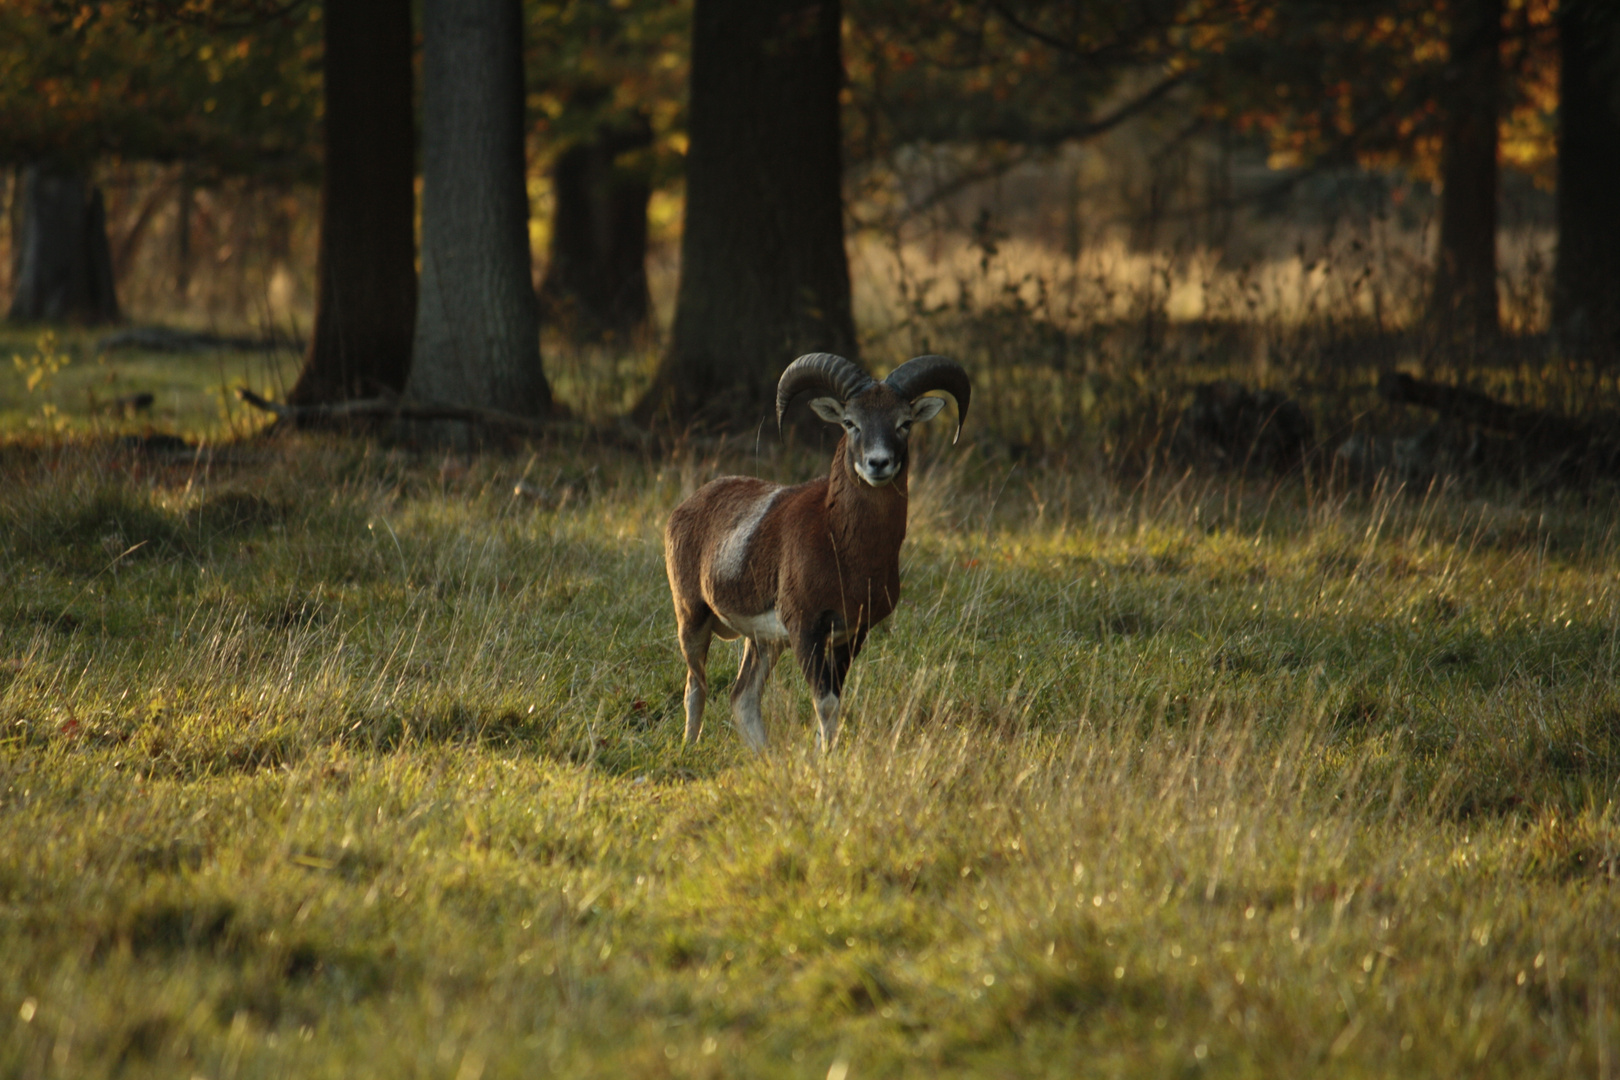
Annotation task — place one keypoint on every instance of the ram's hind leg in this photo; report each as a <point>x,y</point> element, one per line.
<point>757,662</point>
<point>696,631</point>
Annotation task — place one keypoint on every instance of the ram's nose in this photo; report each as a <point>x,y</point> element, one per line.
<point>880,469</point>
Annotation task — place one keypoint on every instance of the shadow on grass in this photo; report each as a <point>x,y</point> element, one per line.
<point>272,974</point>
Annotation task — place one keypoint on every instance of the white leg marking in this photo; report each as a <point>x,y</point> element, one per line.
<point>694,710</point>
<point>745,706</point>
<point>751,724</point>
<point>826,722</point>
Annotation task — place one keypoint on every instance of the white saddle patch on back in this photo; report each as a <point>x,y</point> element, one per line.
<point>732,556</point>
<point>766,626</point>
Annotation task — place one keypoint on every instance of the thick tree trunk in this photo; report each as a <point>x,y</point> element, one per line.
<point>764,275</point>
<point>1586,282</point>
<point>365,268</point>
<point>63,260</point>
<point>477,326</point>
<point>1465,304</point>
<point>596,276</point>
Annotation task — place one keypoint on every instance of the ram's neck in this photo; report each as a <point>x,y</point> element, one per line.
<point>865,521</point>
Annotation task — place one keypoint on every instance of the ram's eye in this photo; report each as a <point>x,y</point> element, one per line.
<point>902,427</point>
<point>849,425</point>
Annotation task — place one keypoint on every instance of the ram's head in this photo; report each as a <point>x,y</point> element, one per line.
<point>877,417</point>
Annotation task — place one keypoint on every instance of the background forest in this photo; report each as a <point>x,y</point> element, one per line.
<point>1253,707</point>
<point>1183,170</point>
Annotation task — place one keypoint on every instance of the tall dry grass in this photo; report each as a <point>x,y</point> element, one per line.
<point>334,759</point>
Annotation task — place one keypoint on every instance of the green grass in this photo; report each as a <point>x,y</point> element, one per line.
<point>321,758</point>
<point>77,386</point>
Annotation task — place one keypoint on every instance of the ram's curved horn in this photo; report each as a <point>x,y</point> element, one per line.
<point>920,374</point>
<point>823,371</point>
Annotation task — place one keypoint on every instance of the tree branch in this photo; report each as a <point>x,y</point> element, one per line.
<point>1143,101</point>
<point>1124,50</point>
<point>1091,129</point>
<point>253,13</point>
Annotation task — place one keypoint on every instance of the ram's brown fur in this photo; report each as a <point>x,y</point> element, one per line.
<point>812,567</point>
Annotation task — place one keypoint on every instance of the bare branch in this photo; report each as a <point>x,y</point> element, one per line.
<point>1090,129</point>
<point>1125,49</point>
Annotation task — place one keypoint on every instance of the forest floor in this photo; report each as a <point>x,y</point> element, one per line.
<point>320,758</point>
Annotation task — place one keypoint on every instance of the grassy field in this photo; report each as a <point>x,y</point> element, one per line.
<point>321,758</point>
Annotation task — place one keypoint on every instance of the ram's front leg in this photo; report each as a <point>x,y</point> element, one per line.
<point>825,663</point>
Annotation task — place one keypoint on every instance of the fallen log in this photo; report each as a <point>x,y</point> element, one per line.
<point>377,410</point>
<point>1546,434</point>
<point>387,408</point>
<point>1469,406</point>
<point>163,339</point>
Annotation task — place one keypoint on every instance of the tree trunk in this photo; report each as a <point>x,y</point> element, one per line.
<point>596,276</point>
<point>764,275</point>
<point>477,326</point>
<point>1586,281</point>
<point>1464,303</point>
<point>63,260</point>
<point>185,198</point>
<point>365,267</point>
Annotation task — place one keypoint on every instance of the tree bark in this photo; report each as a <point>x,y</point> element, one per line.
<point>63,260</point>
<point>596,275</point>
<point>1464,303</point>
<point>185,199</point>
<point>1586,280</point>
<point>477,326</point>
<point>764,274</point>
<point>365,266</point>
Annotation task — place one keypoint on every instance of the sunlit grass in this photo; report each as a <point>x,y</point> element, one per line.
<point>326,759</point>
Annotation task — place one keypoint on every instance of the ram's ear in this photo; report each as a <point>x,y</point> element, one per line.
<point>926,408</point>
<point>829,409</point>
